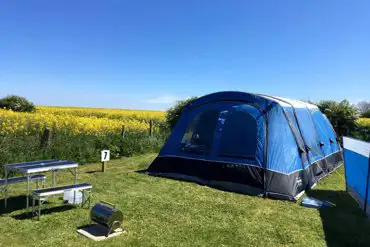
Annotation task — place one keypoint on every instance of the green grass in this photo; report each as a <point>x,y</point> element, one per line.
<point>165,212</point>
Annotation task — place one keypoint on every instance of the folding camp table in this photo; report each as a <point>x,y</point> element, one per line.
<point>29,168</point>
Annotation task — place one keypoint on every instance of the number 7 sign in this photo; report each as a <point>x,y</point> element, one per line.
<point>105,155</point>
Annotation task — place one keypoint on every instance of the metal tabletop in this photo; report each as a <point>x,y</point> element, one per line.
<point>42,166</point>
<point>31,163</point>
<point>28,168</point>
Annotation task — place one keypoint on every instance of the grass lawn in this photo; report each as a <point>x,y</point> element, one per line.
<point>165,212</point>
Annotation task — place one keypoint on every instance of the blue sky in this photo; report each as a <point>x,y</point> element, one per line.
<point>147,54</point>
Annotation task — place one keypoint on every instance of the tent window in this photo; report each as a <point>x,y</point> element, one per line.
<point>198,137</point>
<point>239,136</point>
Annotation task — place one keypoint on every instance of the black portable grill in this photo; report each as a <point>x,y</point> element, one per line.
<point>107,215</point>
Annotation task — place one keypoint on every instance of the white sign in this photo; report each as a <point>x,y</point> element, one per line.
<point>105,155</point>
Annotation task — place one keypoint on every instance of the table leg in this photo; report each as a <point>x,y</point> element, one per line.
<point>76,175</point>
<point>90,192</point>
<point>75,181</point>
<point>33,205</point>
<point>28,193</point>
<point>39,210</point>
<point>53,178</point>
<point>83,198</point>
<point>6,187</point>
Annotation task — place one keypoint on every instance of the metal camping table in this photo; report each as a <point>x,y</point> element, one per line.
<point>29,168</point>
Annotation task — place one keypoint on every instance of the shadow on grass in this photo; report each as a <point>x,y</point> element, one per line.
<point>218,185</point>
<point>85,226</point>
<point>14,204</point>
<point>344,224</point>
<point>92,172</point>
<point>25,215</point>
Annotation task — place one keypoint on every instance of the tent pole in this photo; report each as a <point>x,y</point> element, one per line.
<point>367,185</point>
<point>265,153</point>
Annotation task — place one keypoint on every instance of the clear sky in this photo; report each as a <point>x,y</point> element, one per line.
<point>146,54</point>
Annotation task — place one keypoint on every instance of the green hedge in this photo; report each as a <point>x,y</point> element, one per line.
<point>16,103</point>
<point>363,129</point>
<point>81,148</point>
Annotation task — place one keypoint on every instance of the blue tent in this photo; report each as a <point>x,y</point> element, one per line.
<point>357,171</point>
<point>250,143</point>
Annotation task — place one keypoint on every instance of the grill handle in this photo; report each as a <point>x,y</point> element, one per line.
<point>108,203</point>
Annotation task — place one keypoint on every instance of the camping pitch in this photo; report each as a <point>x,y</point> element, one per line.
<point>250,143</point>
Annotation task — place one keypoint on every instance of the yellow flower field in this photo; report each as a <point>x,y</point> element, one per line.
<point>77,120</point>
<point>102,112</point>
<point>364,121</point>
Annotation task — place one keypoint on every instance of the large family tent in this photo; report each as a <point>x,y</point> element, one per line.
<point>250,143</point>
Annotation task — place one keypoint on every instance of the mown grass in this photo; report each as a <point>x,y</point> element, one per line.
<point>165,212</point>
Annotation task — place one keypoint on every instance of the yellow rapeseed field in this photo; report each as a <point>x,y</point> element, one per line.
<point>76,120</point>
<point>364,121</point>
<point>102,112</point>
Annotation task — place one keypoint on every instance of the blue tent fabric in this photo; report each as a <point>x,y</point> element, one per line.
<point>289,111</point>
<point>283,155</point>
<point>325,131</point>
<point>309,134</point>
<point>357,165</point>
<point>279,146</point>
